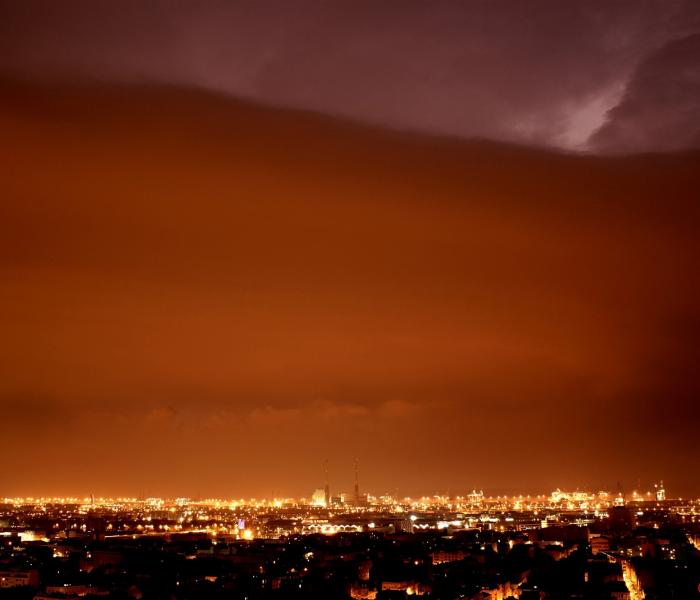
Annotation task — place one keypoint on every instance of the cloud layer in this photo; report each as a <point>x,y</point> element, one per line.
<point>237,293</point>
<point>544,72</point>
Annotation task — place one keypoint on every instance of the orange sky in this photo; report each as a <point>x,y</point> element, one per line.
<point>199,296</point>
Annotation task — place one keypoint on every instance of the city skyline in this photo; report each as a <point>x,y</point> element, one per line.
<point>343,490</point>
<point>588,545</point>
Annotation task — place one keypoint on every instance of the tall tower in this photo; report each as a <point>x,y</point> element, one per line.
<point>327,488</point>
<point>620,498</point>
<point>357,485</point>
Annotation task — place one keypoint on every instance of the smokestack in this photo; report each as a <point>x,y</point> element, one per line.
<point>357,485</point>
<point>327,489</point>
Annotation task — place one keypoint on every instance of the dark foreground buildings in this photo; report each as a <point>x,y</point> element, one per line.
<point>647,549</point>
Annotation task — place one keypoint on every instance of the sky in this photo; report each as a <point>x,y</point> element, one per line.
<point>206,291</point>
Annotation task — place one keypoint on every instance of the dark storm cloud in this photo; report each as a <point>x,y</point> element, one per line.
<point>543,72</point>
<point>660,109</point>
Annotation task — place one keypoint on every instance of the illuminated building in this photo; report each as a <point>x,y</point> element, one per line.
<point>19,578</point>
<point>660,491</point>
<point>475,497</point>
<point>318,498</point>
